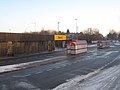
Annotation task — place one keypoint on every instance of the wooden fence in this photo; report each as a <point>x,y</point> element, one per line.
<point>24,43</point>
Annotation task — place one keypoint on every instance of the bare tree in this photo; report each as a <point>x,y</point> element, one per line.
<point>113,35</point>
<point>90,35</point>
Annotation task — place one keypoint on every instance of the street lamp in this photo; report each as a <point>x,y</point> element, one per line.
<point>76,25</point>
<point>58,26</point>
<point>35,26</point>
<point>58,34</point>
<point>76,30</point>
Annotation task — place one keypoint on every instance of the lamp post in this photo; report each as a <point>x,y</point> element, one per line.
<point>76,25</point>
<point>58,26</point>
<point>35,26</point>
<point>76,30</point>
<point>58,34</point>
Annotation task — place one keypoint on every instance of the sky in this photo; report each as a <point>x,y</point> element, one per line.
<point>35,15</point>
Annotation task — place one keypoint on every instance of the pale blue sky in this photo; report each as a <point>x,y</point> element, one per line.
<point>20,15</point>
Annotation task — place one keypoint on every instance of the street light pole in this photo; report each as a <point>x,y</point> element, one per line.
<point>35,26</point>
<point>76,25</point>
<point>58,26</point>
<point>58,34</point>
<point>76,30</point>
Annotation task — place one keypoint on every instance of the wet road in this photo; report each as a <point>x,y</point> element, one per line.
<point>51,75</point>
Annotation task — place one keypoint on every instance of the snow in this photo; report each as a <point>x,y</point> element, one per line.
<point>93,45</point>
<point>15,67</point>
<point>73,82</point>
<point>117,43</point>
<point>108,53</point>
<point>112,46</point>
<point>60,49</point>
<point>11,67</point>
<point>98,80</point>
<point>25,85</point>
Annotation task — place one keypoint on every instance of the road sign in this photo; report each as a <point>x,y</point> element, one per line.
<point>59,37</point>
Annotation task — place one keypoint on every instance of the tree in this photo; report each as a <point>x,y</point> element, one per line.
<point>112,35</point>
<point>91,34</point>
<point>45,32</point>
<point>68,31</point>
<point>119,36</point>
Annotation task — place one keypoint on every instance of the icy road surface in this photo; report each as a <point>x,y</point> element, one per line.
<point>60,72</point>
<point>108,79</point>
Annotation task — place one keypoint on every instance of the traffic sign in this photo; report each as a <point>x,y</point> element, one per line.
<point>59,37</point>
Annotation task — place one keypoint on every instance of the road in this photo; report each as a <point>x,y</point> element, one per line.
<point>53,74</point>
<point>29,58</point>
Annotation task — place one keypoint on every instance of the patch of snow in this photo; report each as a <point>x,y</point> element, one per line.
<point>8,68</point>
<point>108,53</point>
<point>112,46</point>
<point>25,85</point>
<point>22,65</point>
<point>104,80</point>
<point>73,82</point>
<point>60,49</point>
<point>93,45</point>
<point>117,43</point>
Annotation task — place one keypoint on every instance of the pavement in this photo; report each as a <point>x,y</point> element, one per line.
<point>27,55</point>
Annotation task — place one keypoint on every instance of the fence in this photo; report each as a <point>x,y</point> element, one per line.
<point>23,43</point>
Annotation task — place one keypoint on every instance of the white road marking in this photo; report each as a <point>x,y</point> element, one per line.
<point>26,75</point>
<point>57,67</point>
<point>39,72</point>
<point>69,64</point>
<point>49,69</point>
<point>107,53</point>
<point>75,62</point>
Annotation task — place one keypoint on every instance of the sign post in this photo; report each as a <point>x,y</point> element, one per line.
<point>59,38</point>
